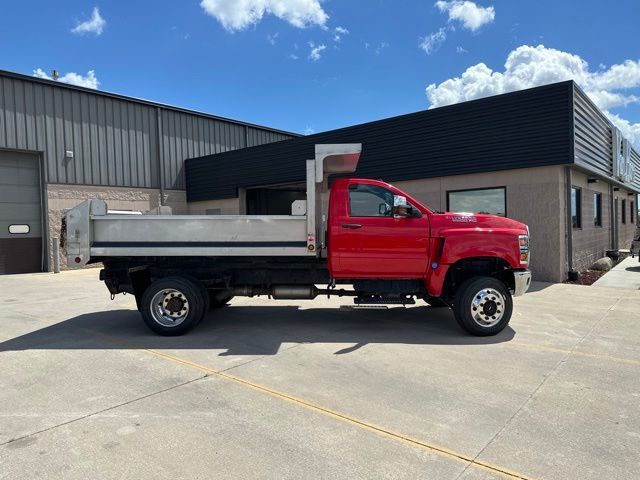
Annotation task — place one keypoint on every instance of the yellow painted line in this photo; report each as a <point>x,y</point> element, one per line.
<point>432,448</point>
<point>608,358</point>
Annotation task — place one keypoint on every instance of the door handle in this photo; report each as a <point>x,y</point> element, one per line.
<point>351,226</point>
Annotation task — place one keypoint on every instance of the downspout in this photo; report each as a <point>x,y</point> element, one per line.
<point>569,221</point>
<point>160,153</point>
<point>612,216</point>
<point>567,175</point>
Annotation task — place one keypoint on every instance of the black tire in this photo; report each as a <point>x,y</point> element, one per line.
<point>216,301</point>
<point>483,291</point>
<point>203,291</point>
<point>188,292</point>
<point>139,302</point>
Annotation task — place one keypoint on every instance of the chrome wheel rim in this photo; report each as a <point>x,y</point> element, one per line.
<point>487,307</point>
<point>169,307</point>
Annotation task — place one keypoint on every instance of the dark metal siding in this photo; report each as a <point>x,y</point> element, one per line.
<point>635,158</point>
<point>529,128</point>
<point>593,139</point>
<point>186,136</point>
<point>114,138</point>
<point>592,136</point>
<point>259,137</point>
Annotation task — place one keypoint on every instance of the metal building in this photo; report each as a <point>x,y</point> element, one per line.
<point>546,156</point>
<point>60,144</point>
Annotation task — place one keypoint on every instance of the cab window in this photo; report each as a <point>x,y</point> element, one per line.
<point>370,201</point>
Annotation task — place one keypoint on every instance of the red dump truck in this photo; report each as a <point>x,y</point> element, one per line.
<point>370,241</point>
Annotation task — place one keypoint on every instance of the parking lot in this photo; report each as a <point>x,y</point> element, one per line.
<point>283,389</point>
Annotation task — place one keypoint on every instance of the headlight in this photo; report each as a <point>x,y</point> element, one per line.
<point>523,242</point>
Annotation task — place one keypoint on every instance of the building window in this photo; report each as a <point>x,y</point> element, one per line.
<point>632,211</point>
<point>484,200</point>
<point>624,211</point>
<point>576,207</point>
<point>370,201</point>
<point>597,209</point>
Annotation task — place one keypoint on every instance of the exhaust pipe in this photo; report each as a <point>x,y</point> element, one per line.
<point>294,292</point>
<point>279,292</point>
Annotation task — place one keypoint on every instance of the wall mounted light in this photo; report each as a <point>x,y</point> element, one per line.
<point>68,154</point>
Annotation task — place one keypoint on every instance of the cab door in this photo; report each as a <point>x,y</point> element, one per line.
<point>373,243</point>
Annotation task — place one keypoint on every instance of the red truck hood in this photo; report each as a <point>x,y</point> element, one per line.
<point>450,221</point>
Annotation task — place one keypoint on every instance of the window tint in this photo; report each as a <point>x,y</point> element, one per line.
<point>597,209</point>
<point>576,207</point>
<point>370,201</point>
<point>624,211</point>
<point>488,200</point>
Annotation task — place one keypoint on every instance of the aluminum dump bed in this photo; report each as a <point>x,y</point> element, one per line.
<point>91,232</point>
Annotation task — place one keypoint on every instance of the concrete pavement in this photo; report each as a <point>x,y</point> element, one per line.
<point>286,389</point>
<point>624,275</point>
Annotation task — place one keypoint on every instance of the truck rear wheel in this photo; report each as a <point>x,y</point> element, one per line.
<point>173,305</point>
<point>483,306</point>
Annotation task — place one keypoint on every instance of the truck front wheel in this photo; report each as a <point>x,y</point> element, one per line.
<point>483,306</point>
<point>172,305</point>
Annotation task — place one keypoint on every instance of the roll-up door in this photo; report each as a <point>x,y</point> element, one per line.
<point>20,213</point>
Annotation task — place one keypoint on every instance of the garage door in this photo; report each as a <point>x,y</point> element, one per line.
<point>273,201</point>
<point>20,213</point>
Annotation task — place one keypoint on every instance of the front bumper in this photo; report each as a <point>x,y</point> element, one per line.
<point>522,282</point>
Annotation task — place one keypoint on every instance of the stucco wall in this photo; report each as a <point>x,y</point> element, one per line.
<point>591,242</point>
<point>627,230</point>
<point>61,197</point>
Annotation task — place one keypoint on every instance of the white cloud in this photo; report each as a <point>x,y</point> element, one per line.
<point>72,78</point>
<point>468,13</point>
<point>338,33</point>
<point>272,39</point>
<point>432,42</point>
<point>94,25</point>
<point>293,56</point>
<point>309,131</point>
<point>316,51</point>
<point>240,14</point>
<point>528,66</point>
<point>460,49</point>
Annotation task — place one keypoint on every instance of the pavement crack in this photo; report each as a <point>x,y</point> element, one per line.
<point>98,412</point>
<point>552,373</point>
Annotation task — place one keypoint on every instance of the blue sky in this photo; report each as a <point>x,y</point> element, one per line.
<point>261,69</point>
